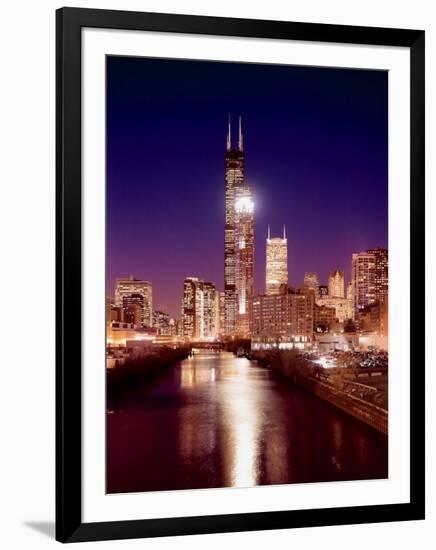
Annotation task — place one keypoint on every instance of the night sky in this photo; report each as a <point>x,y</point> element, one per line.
<point>315,144</point>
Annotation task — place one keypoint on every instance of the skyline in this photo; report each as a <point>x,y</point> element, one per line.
<point>162,234</point>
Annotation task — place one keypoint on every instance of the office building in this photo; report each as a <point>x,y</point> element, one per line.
<point>288,314</point>
<point>126,287</point>
<point>238,241</point>
<point>234,178</point>
<point>276,272</point>
<point>199,310</point>
<point>244,260</point>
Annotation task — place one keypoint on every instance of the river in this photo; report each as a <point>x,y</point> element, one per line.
<point>215,420</point>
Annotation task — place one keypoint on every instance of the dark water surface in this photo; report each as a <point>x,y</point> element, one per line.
<point>219,421</point>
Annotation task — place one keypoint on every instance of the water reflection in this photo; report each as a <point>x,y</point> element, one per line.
<point>242,416</point>
<point>219,421</point>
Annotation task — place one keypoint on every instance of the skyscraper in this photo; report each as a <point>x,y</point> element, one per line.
<point>311,281</point>
<point>199,309</point>
<point>369,278</point>
<point>190,308</point>
<point>238,241</point>
<point>336,284</point>
<point>244,259</point>
<point>128,287</point>
<point>363,279</point>
<point>276,279</point>
<point>208,326</point>
<point>381,272</point>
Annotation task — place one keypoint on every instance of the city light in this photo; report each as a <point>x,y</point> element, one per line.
<point>244,205</point>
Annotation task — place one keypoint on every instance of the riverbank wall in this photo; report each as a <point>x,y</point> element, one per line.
<point>310,378</point>
<point>142,370</point>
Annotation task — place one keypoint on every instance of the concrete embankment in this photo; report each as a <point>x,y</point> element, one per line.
<point>141,370</point>
<point>307,376</point>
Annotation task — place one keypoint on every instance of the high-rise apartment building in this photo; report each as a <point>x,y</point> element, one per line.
<point>369,278</point>
<point>128,287</point>
<point>199,309</point>
<point>381,272</point>
<point>276,272</point>
<point>336,284</point>
<point>238,241</point>
<point>363,279</point>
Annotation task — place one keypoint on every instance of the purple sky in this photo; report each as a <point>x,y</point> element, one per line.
<point>315,143</point>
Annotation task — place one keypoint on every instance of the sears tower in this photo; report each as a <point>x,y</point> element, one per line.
<point>238,241</point>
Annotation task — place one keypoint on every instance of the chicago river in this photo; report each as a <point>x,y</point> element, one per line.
<point>215,420</point>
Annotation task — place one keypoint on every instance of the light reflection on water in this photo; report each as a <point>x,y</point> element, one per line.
<point>221,421</point>
<point>231,382</point>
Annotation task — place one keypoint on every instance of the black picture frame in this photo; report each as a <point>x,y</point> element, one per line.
<point>69,525</point>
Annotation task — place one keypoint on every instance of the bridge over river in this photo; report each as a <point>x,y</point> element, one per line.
<point>215,420</point>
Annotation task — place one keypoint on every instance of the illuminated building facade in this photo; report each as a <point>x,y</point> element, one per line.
<point>222,310</point>
<point>161,321</point>
<point>208,315</point>
<point>217,313</point>
<point>121,334</point>
<point>173,327</point>
<point>276,279</point>
<point>336,284</point>
<point>132,313</point>
<point>363,279</point>
<point>238,242</point>
<point>288,314</point>
<point>311,282</point>
<point>324,318</point>
<point>113,312</point>
<point>244,259</point>
<point>381,273</point>
<point>343,307</point>
<point>370,288</point>
<point>374,318</point>
<point>128,287</point>
<point>199,310</point>
<point>190,325</point>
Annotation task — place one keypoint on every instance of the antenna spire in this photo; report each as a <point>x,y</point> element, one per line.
<point>229,136</point>
<point>284,232</point>
<point>269,232</point>
<point>241,141</point>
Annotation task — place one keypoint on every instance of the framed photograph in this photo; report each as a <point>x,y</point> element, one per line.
<point>240,266</point>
